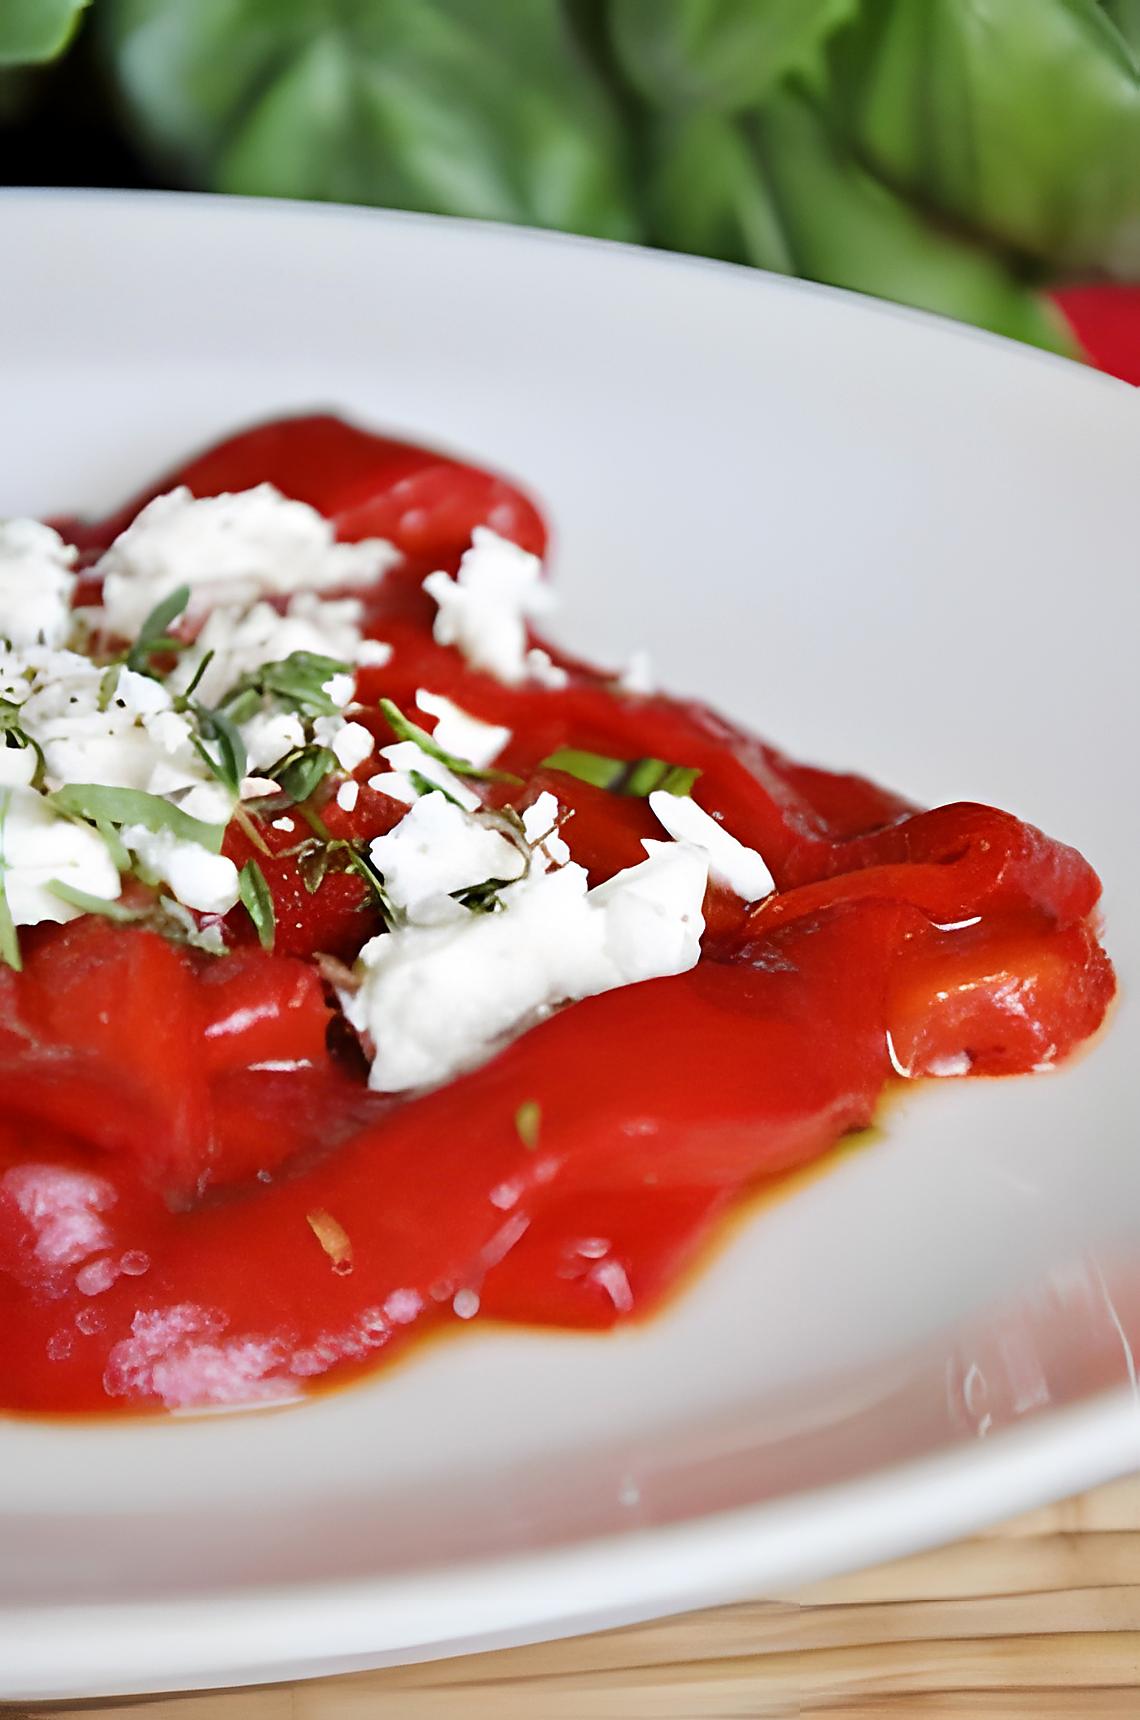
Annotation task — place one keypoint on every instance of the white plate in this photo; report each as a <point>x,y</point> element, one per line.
<point>891,543</point>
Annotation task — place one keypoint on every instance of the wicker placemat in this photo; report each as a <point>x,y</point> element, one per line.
<point>1040,1617</point>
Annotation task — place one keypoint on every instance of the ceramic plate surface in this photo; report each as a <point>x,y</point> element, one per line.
<point>891,544</point>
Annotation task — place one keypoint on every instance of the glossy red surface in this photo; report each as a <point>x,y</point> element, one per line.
<point>162,1183</point>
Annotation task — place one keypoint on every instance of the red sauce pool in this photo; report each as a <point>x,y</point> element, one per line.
<point>163,1193</point>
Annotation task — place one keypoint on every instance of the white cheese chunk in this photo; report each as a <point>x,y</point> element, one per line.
<point>349,743</point>
<point>201,880</point>
<point>742,869</point>
<point>460,734</point>
<point>347,796</point>
<point>372,654</point>
<point>404,757</point>
<point>37,847</point>
<point>125,736</point>
<point>485,609</point>
<point>36,584</point>
<point>242,640</point>
<point>210,802</point>
<point>269,735</point>
<point>545,671</point>
<point>436,1000</point>
<point>228,549</point>
<point>438,849</point>
<point>17,766</point>
<point>540,826</point>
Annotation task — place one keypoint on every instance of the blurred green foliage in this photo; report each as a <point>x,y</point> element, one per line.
<point>35,30</point>
<point>954,154</point>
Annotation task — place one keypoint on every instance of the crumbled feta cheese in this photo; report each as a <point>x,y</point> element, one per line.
<point>438,849</point>
<point>269,735</point>
<point>347,796</point>
<point>485,609</point>
<point>742,869</point>
<point>372,654</point>
<point>460,734</point>
<point>540,826</point>
<point>545,671</point>
<point>36,584</point>
<point>436,1000</point>
<point>37,848</point>
<point>254,787</point>
<point>228,549</point>
<point>404,757</point>
<point>201,880</point>
<point>242,640</point>
<point>339,688</point>
<point>210,802</point>
<point>136,741</point>
<point>349,743</point>
<point>637,676</point>
<point>17,766</point>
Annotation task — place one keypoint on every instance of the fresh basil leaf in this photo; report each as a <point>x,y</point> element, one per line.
<point>468,107</point>
<point>1125,14</point>
<point>32,31</point>
<point>638,776</point>
<point>91,800</point>
<point>1020,121</point>
<point>258,902</point>
<point>153,634</point>
<point>721,55</point>
<point>87,904</point>
<point>406,730</point>
<point>710,195</point>
<point>815,211</point>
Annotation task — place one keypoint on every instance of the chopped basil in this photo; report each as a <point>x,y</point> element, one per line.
<point>88,904</point>
<point>302,771</point>
<point>153,635</point>
<point>108,685</point>
<point>204,663</point>
<point>297,680</point>
<point>93,801</point>
<point>228,764</point>
<point>356,859</point>
<point>258,902</point>
<point>9,937</point>
<point>483,898</point>
<point>405,730</point>
<point>528,1123</point>
<point>15,736</point>
<point>116,847</point>
<point>638,776</point>
<point>427,785</point>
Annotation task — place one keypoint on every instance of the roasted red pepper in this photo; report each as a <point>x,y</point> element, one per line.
<point>176,1127</point>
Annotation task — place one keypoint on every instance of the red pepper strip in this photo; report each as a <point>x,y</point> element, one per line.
<point>370,486</point>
